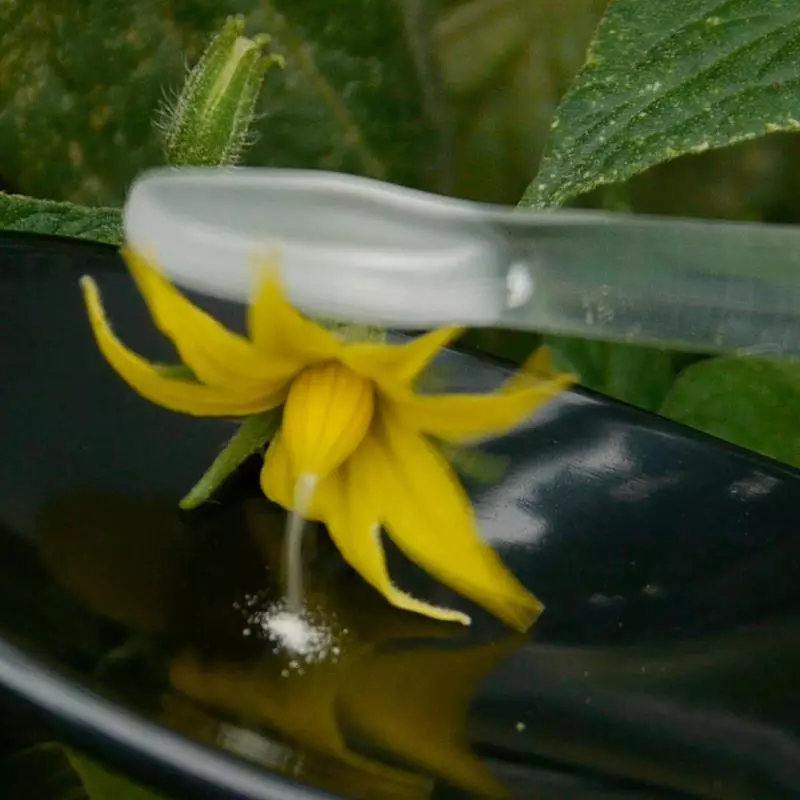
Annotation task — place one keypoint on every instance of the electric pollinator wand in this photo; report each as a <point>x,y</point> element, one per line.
<point>367,252</point>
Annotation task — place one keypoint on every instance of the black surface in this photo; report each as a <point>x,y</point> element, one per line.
<point>664,666</point>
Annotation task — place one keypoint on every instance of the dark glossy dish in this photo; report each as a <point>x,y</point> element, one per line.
<point>664,666</point>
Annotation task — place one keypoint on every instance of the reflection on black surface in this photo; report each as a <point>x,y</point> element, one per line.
<point>696,715</point>
<point>394,685</point>
<point>663,666</point>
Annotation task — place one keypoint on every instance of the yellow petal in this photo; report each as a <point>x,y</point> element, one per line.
<point>278,480</point>
<point>398,364</point>
<point>461,418</point>
<point>350,503</point>
<point>541,362</point>
<point>328,410</point>
<point>279,331</point>
<point>177,395</point>
<point>432,521</point>
<point>217,356</point>
<point>539,366</point>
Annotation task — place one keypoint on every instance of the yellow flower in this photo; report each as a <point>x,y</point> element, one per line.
<point>357,446</point>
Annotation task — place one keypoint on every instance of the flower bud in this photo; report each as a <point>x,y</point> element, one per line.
<point>209,123</point>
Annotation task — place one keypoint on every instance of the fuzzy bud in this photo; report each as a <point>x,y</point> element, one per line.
<point>210,122</point>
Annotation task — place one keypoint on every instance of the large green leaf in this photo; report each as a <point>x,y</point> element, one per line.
<point>79,83</point>
<point>25,214</point>
<point>751,402</point>
<point>667,78</point>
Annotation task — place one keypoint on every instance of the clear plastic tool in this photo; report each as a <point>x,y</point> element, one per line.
<point>370,252</point>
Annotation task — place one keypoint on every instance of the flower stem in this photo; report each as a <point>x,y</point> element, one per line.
<point>293,543</point>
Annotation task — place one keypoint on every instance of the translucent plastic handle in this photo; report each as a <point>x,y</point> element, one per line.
<point>350,247</point>
<point>708,286</point>
<point>367,251</point>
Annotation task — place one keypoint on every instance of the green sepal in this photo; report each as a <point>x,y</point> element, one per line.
<point>252,436</point>
<point>176,372</point>
<point>475,464</point>
<point>352,333</point>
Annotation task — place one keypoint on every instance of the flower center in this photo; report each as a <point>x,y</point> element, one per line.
<point>327,414</point>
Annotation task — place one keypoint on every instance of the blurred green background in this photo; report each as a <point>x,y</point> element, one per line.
<point>454,96</point>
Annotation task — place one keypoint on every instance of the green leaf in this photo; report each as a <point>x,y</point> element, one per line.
<point>667,78</point>
<point>100,783</point>
<point>750,402</point>
<point>79,85</point>
<point>252,435</point>
<point>51,771</point>
<point>638,375</point>
<point>39,770</point>
<point>25,214</point>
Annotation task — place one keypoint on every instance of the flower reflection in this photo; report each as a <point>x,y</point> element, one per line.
<point>400,685</point>
<point>386,718</point>
<point>409,704</point>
